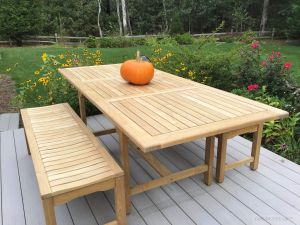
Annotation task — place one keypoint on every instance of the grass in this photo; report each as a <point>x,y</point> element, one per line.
<point>21,63</point>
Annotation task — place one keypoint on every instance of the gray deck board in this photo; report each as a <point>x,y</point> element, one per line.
<point>4,121</point>
<point>270,195</point>
<point>9,121</point>
<point>12,202</point>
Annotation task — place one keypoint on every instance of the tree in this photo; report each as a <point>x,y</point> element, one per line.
<point>119,17</point>
<point>98,21</point>
<point>165,15</point>
<point>124,14</point>
<point>264,17</point>
<point>20,20</point>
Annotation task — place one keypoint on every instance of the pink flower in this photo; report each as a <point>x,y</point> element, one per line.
<point>254,45</point>
<point>287,65</point>
<point>252,87</point>
<point>271,57</point>
<point>264,63</point>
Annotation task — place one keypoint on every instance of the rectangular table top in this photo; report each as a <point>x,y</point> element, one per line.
<point>170,110</point>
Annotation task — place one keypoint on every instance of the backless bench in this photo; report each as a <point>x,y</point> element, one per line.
<point>68,159</point>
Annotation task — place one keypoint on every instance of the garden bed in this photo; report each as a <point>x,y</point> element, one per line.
<point>7,92</point>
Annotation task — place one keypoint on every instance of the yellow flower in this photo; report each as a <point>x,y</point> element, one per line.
<point>44,56</point>
<point>183,68</point>
<point>37,72</point>
<point>69,61</point>
<point>169,54</point>
<point>65,65</point>
<point>42,79</point>
<point>61,56</point>
<point>191,73</point>
<point>177,70</point>
<point>39,97</point>
<point>58,78</point>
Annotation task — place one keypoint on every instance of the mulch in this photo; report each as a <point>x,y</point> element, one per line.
<point>7,92</point>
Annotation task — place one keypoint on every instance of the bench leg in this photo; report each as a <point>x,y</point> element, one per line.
<point>81,101</point>
<point>221,158</point>
<point>257,136</point>
<point>209,159</point>
<point>125,165</point>
<point>120,201</point>
<point>49,211</point>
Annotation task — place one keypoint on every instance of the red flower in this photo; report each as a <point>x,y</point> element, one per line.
<point>252,87</point>
<point>271,58</point>
<point>254,45</point>
<point>264,63</point>
<point>287,65</point>
<point>278,54</point>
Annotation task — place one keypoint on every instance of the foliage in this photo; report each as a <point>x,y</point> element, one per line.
<point>120,42</point>
<point>293,20</point>
<point>214,69</point>
<point>48,86</point>
<point>184,39</point>
<point>17,21</point>
<point>282,136</point>
<point>275,73</point>
<point>176,26</point>
<point>247,70</point>
<point>90,42</point>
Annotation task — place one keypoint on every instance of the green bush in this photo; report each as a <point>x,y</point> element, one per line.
<point>184,39</point>
<point>214,69</point>
<point>227,38</point>
<point>90,42</point>
<point>49,87</point>
<point>120,42</point>
<point>282,136</point>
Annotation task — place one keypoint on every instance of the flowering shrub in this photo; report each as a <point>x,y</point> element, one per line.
<point>48,86</point>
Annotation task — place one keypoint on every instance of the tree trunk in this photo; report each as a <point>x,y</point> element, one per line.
<point>165,16</point>
<point>264,17</point>
<point>124,16</point>
<point>128,21</point>
<point>119,17</point>
<point>99,11</point>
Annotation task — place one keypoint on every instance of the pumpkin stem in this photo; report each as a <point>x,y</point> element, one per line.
<point>138,57</point>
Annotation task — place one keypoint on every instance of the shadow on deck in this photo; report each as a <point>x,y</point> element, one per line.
<point>270,195</point>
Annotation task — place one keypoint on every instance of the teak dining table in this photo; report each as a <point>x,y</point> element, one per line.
<point>169,111</point>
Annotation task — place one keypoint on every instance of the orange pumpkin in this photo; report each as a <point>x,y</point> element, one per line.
<point>137,71</point>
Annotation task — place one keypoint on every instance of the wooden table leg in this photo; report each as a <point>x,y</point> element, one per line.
<point>257,136</point>
<point>125,164</point>
<point>81,100</point>
<point>120,201</point>
<point>221,158</point>
<point>209,159</point>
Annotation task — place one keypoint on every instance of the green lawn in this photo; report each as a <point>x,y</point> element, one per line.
<point>22,62</point>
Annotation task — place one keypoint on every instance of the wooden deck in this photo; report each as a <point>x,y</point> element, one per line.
<point>9,121</point>
<point>270,195</point>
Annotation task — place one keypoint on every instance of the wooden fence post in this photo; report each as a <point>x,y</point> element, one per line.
<point>273,33</point>
<point>56,39</point>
